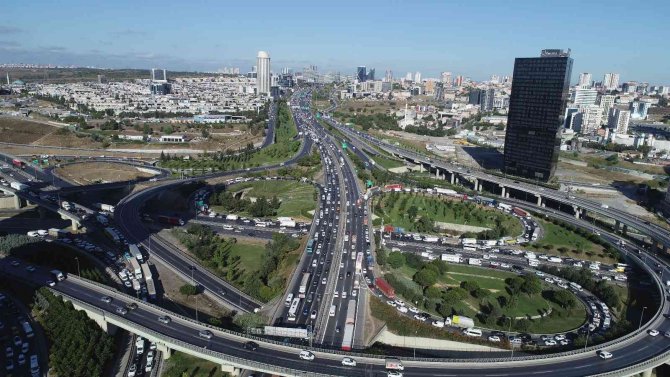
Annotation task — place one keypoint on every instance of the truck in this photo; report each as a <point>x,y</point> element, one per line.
<point>468,241</point>
<point>348,337</point>
<point>359,262</point>
<point>148,278</point>
<point>18,186</point>
<point>102,219</point>
<point>232,217</point>
<point>302,290</point>
<point>519,212</point>
<point>445,191</point>
<point>475,261</point>
<point>135,252</point>
<point>170,220</point>
<point>111,233</point>
<point>452,258</point>
<point>136,285</point>
<point>66,205</point>
<point>431,239</point>
<point>18,163</point>
<point>385,288</point>
<point>505,207</point>
<point>460,321</point>
<point>287,222</point>
<point>58,275</point>
<point>136,269</point>
<point>393,363</point>
<point>104,207</point>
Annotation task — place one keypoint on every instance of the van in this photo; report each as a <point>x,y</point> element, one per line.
<point>333,308</point>
<point>289,299</point>
<point>473,332</point>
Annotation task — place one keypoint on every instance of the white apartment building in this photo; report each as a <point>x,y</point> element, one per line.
<point>618,120</point>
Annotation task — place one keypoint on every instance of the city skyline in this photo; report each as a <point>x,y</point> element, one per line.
<point>339,43</point>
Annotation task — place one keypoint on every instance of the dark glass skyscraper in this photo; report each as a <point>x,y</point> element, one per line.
<point>536,110</point>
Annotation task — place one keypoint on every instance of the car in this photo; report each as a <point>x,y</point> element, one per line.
<point>51,283</point>
<point>9,352</point>
<point>17,341</point>
<point>131,306</point>
<point>494,338</point>
<point>24,347</point>
<point>393,373</point>
<point>604,354</point>
<point>550,342</point>
<point>251,346</point>
<point>667,334</point>
<point>132,370</point>
<point>653,332</point>
<point>21,359</point>
<point>205,334</point>
<point>14,263</point>
<point>349,362</point>
<point>564,342</point>
<point>122,311</point>
<point>31,268</point>
<point>164,319</point>
<point>306,355</point>
<point>106,299</point>
<point>313,314</point>
<point>9,365</point>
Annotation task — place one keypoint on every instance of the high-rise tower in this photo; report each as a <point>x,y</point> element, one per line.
<point>263,73</point>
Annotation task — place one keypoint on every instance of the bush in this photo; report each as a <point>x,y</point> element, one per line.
<point>188,290</point>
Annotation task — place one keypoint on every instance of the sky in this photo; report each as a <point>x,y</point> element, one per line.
<point>469,38</point>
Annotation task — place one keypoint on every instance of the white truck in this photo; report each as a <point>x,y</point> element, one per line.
<point>460,321</point>
<point>445,191</point>
<point>475,261</point>
<point>66,206</point>
<point>286,222</point>
<point>18,186</point>
<point>468,241</point>
<point>232,217</point>
<point>452,258</point>
<point>431,239</point>
<point>104,207</point>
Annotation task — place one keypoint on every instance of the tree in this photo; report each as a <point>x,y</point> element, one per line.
<point>396,259</point>
<point>564,298</point>
<point>425,277</point>
<point>412,212</point>
<point>531,285</point>
<point>188,290</point>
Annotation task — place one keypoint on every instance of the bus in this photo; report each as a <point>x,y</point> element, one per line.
<point>359,262</point>
<point>303,285</point>
<point>310,246</point>
<point>576,287</point>
<point>293,309</point>
<point>289,299</point>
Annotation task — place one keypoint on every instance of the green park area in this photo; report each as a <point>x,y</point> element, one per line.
<point>386,162</point>
<point>181,364</point>
<point>416,212</point>
<point>565,240</point>
<point>488,296</point>
<point>293,199</point>
<point>260,269</point>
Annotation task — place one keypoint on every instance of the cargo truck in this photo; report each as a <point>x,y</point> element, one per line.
<point>232,217</point>
<point>170,220</point>
<point>519,212</point>
<point>445,191</point>
<point>148,278</point>
<point>135,252</point>
<point>385,288</point>
<point>460,321</point>
<point>137,270</point>
<point>475,261</point>
<point>104,207</point>
<point>348,337</point>
<point>452,258</point>
<point>18,163</point>
<point>393,363</point>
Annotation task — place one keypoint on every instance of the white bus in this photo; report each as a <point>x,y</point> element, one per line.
<point>289,299</point>
<point>576,287</point>
<point>302,290</point>
<point>293,309</point>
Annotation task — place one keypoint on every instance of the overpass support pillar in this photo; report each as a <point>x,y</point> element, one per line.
<point>104,325</point>
<point>476,185</point>
<point>617,225</point>
<point>624,229</point>
<point>437,173</point>
<point>233,371</point>
<point>646,373</point>
<point>540,201</point>
<point>75,225</point>
<point>167,351</point>
<point>452,178</point>
<point>577,212</point>
<point>17,202</point>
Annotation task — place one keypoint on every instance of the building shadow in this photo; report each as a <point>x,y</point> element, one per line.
<point>486,158</point>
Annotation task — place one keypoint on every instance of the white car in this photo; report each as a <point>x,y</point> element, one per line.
<point>402,309</point>
<point>348,361</point>
<point>653,332</point>
<point>604,354</point>
<point>393,373</point>
<point>550,342</point>
<point>306,355</point>
<point>559,337</point>
<point>439,324</point>
<point>494,338</point>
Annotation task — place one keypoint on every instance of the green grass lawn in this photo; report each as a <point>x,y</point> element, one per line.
<point>443,210</point>
<point>387,163</point>
<point>560,237</point>
<point>297,198</point>
<point>249,253</point>
<point>494,281</point>
<point>181,364</point>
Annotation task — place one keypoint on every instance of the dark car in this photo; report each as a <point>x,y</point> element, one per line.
<point>251,346</point>
<point>131,306</point>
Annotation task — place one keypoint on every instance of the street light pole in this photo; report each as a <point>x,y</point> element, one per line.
<point>641,315</point>
<point>588,332</point>
<point>78,270</point>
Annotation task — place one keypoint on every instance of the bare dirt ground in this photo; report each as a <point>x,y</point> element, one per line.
<point>17,130</point>
<point>92,172</point>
